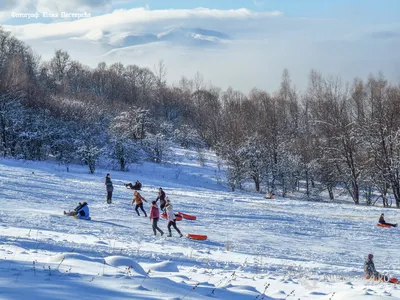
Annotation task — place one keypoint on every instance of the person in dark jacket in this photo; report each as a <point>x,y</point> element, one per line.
<point>109,188</point>
<point>137,186</point>
<point>382,221</point>
<point>161,197</point>
<point>154,217</point>
<point>370,271</point>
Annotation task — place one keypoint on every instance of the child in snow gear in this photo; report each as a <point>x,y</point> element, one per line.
<point>161,197</point>
<point>171,219</point>
<point>137,186</point>
<point>269,195</point>
<point>81,211</point>
<point>137,198</point>
<point>155,216</point>
<point>382,221</point>
<point>109,188</point>
<point>370,271</point>
<point>73,212</point>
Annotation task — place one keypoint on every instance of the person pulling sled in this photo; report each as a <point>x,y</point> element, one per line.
<point>382,221</point>
<point>171,219</point>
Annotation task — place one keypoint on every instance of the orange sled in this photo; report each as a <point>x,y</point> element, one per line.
<point>391,280</point>
<point>197,237</point>
<point>383,225</point>
<point>186,216</point>
<point>178,217</point>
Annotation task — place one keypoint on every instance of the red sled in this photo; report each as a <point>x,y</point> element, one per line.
<point>197,237</point>
<point>178,217</point>
<point>383,225</point>
<point>394,280</point>
<point>186,216</point>
<point>391,280</point>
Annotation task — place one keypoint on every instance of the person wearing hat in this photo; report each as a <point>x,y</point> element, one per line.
<point>138,199</point>
<point>81,211</point>
<point>161,197</point>
<point>109,188</point>
<point>369,269</point>
<point>171,219</point>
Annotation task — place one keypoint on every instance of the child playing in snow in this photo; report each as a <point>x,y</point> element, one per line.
<point>382,221</point>
<point>155,216</point>
<point>82,211</point>
<point>171,219</point>
<point>370,271</point>
<point>139,204</point>
<point>161,197</point>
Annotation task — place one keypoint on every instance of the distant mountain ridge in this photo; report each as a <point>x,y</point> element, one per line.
<point>180,36</point>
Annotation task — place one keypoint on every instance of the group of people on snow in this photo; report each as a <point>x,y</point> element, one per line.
<point>369,267</point>
<point>165,205</point>
<point>82,210</point>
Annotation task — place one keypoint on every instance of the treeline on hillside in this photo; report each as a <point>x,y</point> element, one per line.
<point>333,134</point>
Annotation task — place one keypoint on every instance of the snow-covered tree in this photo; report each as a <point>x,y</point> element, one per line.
<point>157,147</point>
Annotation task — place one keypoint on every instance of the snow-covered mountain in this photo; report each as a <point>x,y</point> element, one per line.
<point>177,36</point>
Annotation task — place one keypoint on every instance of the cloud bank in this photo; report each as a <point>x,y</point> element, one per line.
<point>263,45</point>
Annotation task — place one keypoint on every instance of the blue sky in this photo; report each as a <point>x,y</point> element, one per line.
<point>358,11</point>
<point>367,11</point>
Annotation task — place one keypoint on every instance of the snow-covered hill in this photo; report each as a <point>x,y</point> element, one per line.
<point>256,248</point>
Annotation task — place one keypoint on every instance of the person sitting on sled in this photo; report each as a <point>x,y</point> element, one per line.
<point>137,186</point>
<point>382,221</point>
<point>81,211</point>
<point>369,270</point>
<point>269,195</point>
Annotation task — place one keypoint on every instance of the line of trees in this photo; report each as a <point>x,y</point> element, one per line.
<point>332,134</point>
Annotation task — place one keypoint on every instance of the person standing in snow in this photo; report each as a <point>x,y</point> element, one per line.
<point>370,271</point>
<point>138,199</point>
<point>154,217</point>
<point>382,221</point>
<point>109,188</point>
<point>161,197</point>
<point>171,219</point>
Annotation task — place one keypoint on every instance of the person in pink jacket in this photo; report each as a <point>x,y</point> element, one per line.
<point>155,216</point>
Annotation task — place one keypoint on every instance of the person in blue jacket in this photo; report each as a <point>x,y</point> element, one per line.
<point>81,211</point>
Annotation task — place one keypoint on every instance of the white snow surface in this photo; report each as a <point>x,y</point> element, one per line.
<point>256,248</point>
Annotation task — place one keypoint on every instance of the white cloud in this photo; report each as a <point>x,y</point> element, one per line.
<point>264,44</point>
<point>135,19</point>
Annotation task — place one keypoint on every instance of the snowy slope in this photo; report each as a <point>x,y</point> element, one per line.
<point>286,248</point>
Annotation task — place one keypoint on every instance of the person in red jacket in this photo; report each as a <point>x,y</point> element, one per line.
<point>155,216</point>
